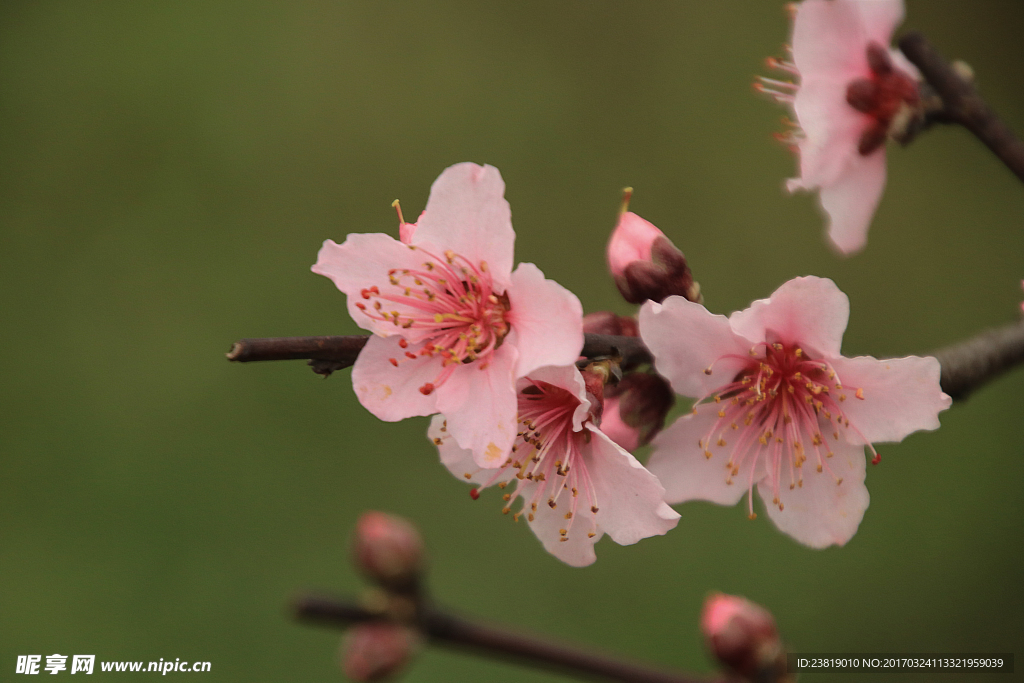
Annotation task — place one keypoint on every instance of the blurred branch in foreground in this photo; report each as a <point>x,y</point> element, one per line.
<point>966,365</point>
<point>963,104</point>
<point>384,630</point>
<point>441,628</point>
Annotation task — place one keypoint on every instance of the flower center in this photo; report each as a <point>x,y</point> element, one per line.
<point>547,459</point>
<point>782,409</point>
<point>450,306</point>
<point>889,96</point>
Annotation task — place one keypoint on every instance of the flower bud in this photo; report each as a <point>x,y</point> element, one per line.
<point>388,550</point>
<point>377,651</point>
<point>645,263</point>
<point>635,409</point>
<point>606,322</point>
<point>743,637</point>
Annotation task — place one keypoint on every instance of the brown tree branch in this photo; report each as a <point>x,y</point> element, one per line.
<point>962,103</point>
<point>966,366</point>
<point>969,364</point>
<point>327,354</point>
<point>449,630</point>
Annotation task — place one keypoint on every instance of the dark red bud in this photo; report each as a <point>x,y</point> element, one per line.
<point>388,550</point>
<point>377,651</point>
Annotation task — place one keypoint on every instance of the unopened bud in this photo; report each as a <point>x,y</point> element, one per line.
<point>743,637</point>
<point>606,322</point>
<point>645,263</point>
<point>388,550</point>
<point>377,651</point>
<point>635,409</point>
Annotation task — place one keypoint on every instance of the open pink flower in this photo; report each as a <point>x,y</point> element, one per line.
<point>453,325</point>
<point>576,484</point>
<point>853,93</point>
<point>779,407</point>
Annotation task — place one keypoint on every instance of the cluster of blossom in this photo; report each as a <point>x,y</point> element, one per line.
<point>494,354</point>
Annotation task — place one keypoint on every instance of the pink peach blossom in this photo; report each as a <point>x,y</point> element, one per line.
<point>778,406</point>
<point>576,484</point>
<point>853,93</point>
<point>454,326</point>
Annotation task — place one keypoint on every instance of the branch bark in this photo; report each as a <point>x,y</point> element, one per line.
<point>969,364</point>
<point>446,629</point>
<point>962,103</point>
<point>335,353</point>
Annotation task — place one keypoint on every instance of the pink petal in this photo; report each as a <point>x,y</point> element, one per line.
<point>880,18</point>
<point>459,461</point>
<point>822,513</point>
<point>685,472</point>
<point>831,128</point>
<point>393,393</point>
<point>808,311</point>
<point>630,241</point>
<point>566,377</point>
<point>547,320</point>
<point>406,231</point>
<point>686,339</point>
<point>578,549</point>
<point>480,406</point>
<point>467,213</point>
<point>630,500</point>
<point>850,201</point>
<point>365,260</point>
<point>829,38</point>
<point>901,395</point>
<point>618,431</point>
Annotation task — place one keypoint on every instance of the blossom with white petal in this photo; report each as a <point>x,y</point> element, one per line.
<point>454,326</point>
<point>575,483</point>
<point>779,407</point>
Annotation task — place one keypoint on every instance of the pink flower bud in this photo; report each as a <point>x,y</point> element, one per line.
<point>388,550</point>
<point>635,409</point>
<point>645,263</point>
<point>631,241</point>
<point>743,637</point>
<point>377,651</point>
<point>606,322</point>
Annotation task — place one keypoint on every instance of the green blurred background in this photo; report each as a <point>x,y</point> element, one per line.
<point>167,174</point>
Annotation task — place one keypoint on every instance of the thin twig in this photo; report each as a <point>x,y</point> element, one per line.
<point>341,352</point>
<point>445,629</point>
<point>968,365</point>
<point>962,103</point>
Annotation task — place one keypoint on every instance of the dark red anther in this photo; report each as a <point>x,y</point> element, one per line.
<point>393,361</point>
<point>879,59</point>
<point>862,95</point>
<point>877,459</point>
<point>474,494</point>
<point>427,389</point>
